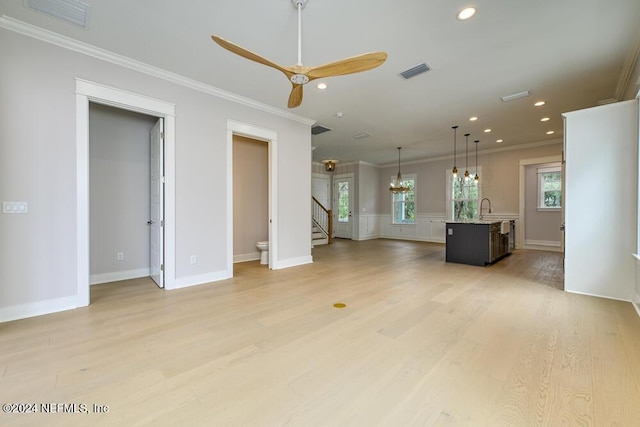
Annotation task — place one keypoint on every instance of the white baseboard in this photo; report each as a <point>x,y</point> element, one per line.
<point>361,238</point>
<point>635,305</point>
<point>22,311</point>
<point>246,257</point>
<point>596,295</point>
<point>201,279</point>
<point>543,245</point>
<point>293,262</point>
<point>96,279</point>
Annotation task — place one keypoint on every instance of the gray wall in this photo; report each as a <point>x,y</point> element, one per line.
<point>250,196</point>
<point>119,193</point>
<point>540,226</point>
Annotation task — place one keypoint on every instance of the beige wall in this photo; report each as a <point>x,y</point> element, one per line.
<point>250,196</point>
<point>499,179</point>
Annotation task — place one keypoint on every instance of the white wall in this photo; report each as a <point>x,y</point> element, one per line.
<point>601,200</point>
<point>38,165</point>
<point>119,193</point>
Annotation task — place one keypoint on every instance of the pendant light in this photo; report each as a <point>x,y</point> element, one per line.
<point>397,186</point>
<point>455,168</point>
<point>476,178</point>
<point>466,172</point>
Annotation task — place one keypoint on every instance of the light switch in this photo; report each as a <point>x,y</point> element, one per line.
<point>15,207</point>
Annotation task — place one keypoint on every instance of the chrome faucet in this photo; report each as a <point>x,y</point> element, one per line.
<point>481,204</point>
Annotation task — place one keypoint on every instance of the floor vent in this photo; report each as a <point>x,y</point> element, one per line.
<point>418,69</point>
<point>71,11</point>
<point>318,129</point>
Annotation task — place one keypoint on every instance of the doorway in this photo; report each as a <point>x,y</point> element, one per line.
<point>343,206</point>
<point>251,197</point>
<point>125,195</point>
<point>87,92</point>
<point>540,222</point>
<point>238,129</point>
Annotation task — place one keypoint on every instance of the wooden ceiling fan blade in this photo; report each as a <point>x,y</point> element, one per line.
<point>245,53</point>
<point>355,64</point>
<point>295,98</point>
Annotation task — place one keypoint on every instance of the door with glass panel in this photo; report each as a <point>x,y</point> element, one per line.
<point>342,206</point>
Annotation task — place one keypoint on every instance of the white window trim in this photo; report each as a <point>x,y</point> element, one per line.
<point>540,204</point>
<point>410,176</point>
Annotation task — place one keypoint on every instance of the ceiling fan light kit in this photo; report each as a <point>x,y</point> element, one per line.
<point>299,75</point>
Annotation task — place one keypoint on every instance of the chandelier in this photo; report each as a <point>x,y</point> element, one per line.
<point>397,185</point>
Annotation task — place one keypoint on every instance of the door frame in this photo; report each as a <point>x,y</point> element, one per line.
<point>86,92</point>
<point>271,138</point>
<point>334,202</point>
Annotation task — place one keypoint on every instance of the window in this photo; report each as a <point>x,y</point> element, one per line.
<point>343,201</point>
<point>550,188</point>
<point>404,204</point>
<point>463,197</point>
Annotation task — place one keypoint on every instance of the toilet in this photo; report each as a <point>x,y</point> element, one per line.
<point>263,247</point>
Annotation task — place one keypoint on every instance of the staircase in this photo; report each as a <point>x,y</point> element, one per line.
<point>318,237</point>
<point>321,224</point>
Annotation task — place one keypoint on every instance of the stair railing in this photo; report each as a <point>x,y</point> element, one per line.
<point>323,218</point>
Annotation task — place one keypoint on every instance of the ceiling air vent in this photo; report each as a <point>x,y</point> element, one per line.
<point>418,69</point>
<point>318,129</point>
<point>361,135</point>
<point>513,96</point>
<point>71,11</point>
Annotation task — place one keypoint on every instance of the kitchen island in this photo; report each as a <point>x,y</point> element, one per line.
<point>479,242</point>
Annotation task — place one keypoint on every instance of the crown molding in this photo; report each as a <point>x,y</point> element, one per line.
<point>51,37</point>
<point>488,151</point>
<point>629,66</point>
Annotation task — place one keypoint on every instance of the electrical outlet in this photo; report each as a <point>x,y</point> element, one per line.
<point>193,259</point>
<point>120,256</point>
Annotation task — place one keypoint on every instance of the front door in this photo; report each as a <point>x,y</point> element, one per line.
<point>156,220</point>
<point>342,206</point>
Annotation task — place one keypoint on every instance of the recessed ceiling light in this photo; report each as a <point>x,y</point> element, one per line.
<point>540,103</point>
<point>473,119</point>
<point>550,132</point>
<point>498,141</point>
<point>544,119</point>
<point>321,86</point>
<point>487,130</point>
<point>466,13</point>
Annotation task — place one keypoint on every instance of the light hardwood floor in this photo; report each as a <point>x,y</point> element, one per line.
<point>419,343</point>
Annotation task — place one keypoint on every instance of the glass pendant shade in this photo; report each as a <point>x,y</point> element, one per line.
<point>397,185</point>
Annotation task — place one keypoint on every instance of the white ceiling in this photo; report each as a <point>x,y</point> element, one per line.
<point>570,53</point>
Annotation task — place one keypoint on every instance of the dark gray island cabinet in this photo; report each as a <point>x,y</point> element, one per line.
<point>479,243</point>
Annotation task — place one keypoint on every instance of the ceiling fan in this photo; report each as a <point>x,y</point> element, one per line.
<point>299,74</point>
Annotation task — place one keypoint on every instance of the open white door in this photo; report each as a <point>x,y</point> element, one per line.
<point>156,221</point>
<point>342,206</point>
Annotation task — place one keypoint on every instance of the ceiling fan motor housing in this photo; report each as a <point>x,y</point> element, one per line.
<point>299,79</point>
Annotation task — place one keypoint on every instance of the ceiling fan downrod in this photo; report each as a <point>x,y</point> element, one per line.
<point>299,79</point>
